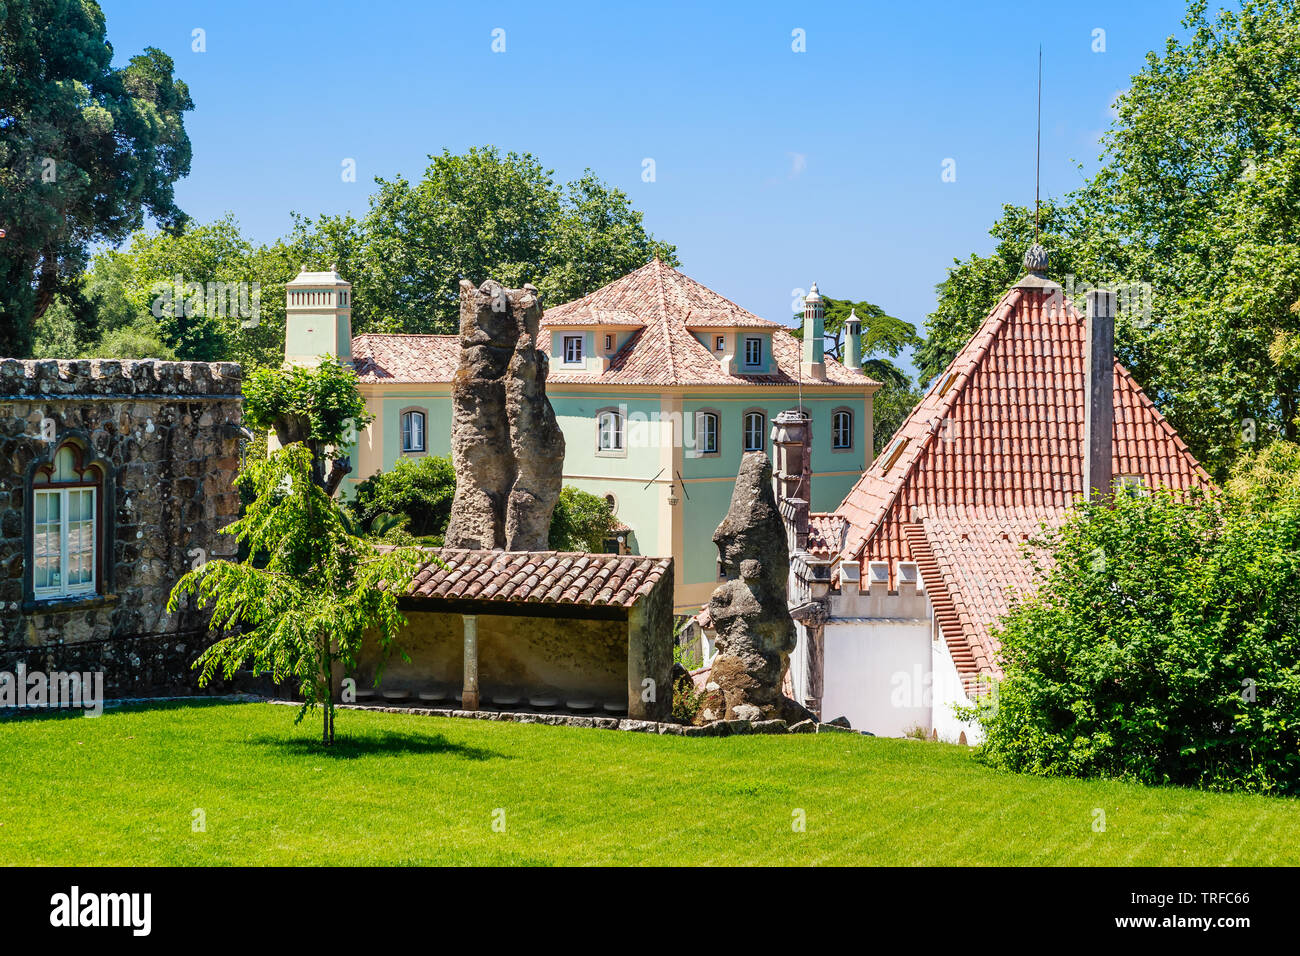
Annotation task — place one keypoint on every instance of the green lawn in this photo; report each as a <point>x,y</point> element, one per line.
<point>122,789</point>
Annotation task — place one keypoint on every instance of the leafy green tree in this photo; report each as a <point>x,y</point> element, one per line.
<point>304,611</point>
<point>1268,477</point>
<point>581,521</point>
<point>85,151</point>
<point>474,216</point>
<point>421,491</point>
<point>1196,199</point>
<point>1161,647</point>
<point>320,407</point>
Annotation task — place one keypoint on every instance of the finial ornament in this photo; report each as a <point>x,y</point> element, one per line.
<point>853,316</point>
<point>813,295</point>
<point>303,268</point>
<point>1036,259</point>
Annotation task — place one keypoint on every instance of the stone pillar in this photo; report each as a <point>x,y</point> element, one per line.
<point>469,692</point>
<point>650,654</point>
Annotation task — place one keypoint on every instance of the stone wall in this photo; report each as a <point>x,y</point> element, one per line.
<point>167,436</point>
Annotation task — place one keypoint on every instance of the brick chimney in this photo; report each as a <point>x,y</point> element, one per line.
<point>1099,385</point>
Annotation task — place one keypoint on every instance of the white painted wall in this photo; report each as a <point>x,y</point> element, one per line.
<point>877,674</point>
<point>946,692</point>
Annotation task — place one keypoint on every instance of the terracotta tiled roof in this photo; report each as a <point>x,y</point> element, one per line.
<point>405,358</point>
<point>825,534</point>
<point>656,297</point>
<point>541,577</point>
<point>665,352</point>
<point>1000,436</point>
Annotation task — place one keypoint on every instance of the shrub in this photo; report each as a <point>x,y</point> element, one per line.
<point>419,489</point>
<point>1163,647</point>
<point>581,522</point>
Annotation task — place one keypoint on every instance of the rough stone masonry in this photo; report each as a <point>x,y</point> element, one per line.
<point>164,436</point>
<point>506,445</point>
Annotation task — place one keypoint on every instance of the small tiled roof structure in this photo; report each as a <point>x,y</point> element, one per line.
<point>661,304</point>
<point>540,577</point>
<point>993,452</point>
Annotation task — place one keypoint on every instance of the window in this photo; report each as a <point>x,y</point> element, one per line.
<point>572,349</point>
<point>609,343</point>
<point>891,454</point>
<point>719,343</point>
<point>753,350</point>
<point>1131,485</point>
<point>65,525</point>
<point>706,433</point>
<point>413,431</point>
<point>609,432</point>
<point>842,429</point>
<point>755,431</point>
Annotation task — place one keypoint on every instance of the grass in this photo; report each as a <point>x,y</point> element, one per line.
<point>123,788</point>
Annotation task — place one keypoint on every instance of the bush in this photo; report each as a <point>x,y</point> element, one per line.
<point>581,522</point>
<point>1162,647</point>
<point>419,489</point>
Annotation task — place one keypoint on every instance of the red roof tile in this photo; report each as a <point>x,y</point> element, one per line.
<point>994,449</point>
<point>541,577</point>
<point>662,301</point>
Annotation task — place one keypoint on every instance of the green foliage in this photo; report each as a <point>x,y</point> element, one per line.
<point>480,215</point>
<point>318,591</point>
<point>419,489</point>
<point>85,150</point>
<point>1196,196</point>
<point>320,405</point>
<point>581,521</point>
<point>1268,478</point>
<point>687,702</point>
<point>1162,647</point>
<point>422,489</point>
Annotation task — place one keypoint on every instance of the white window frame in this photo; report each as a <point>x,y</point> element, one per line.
<point>702,434</point>
<point>572,346</point>
<point>1133,485</point>
<point>719,343</point>
<point>63,589</point>
<point>757,341</point>
<point>618,435</point>
<point>408,433</point>
<point>847,444</point>
<point>745,430</point>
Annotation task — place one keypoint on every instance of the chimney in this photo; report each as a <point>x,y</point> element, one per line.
<point>814,334</point>
<point>853,341</point>
<point>1099,385</point>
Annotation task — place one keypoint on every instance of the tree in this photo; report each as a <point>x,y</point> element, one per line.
<point>306,609</point>
<point>320,407</point>
<point>1196,200</point>
<point>581,521</point>
<point>1161,647</point>
<point>85,151</point>
<point>421,491</point>
<point>475,216</point>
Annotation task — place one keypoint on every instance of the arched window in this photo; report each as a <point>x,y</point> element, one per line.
<point>67,498</point>
<point>610,428</point>
<point>706,433</point>
<point>413,430</point>
<point>755,430</point>
<point>842,429</point>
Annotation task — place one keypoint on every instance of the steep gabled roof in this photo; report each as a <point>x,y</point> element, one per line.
<point>993,450</point>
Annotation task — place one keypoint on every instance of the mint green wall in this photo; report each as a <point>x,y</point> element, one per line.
<point>438,439</point>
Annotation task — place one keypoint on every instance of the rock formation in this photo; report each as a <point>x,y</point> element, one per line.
<point>750,611</point>
<point>506,445</point>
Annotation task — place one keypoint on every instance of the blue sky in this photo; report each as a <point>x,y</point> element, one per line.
<point>773,168</point>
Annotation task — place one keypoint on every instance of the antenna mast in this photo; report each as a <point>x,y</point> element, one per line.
<point>1038,146</point>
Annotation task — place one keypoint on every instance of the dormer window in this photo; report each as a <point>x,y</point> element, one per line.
<point>609,343</point>
<point>573,350</point>
<point>719,343</point>
<point>753,351</point>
